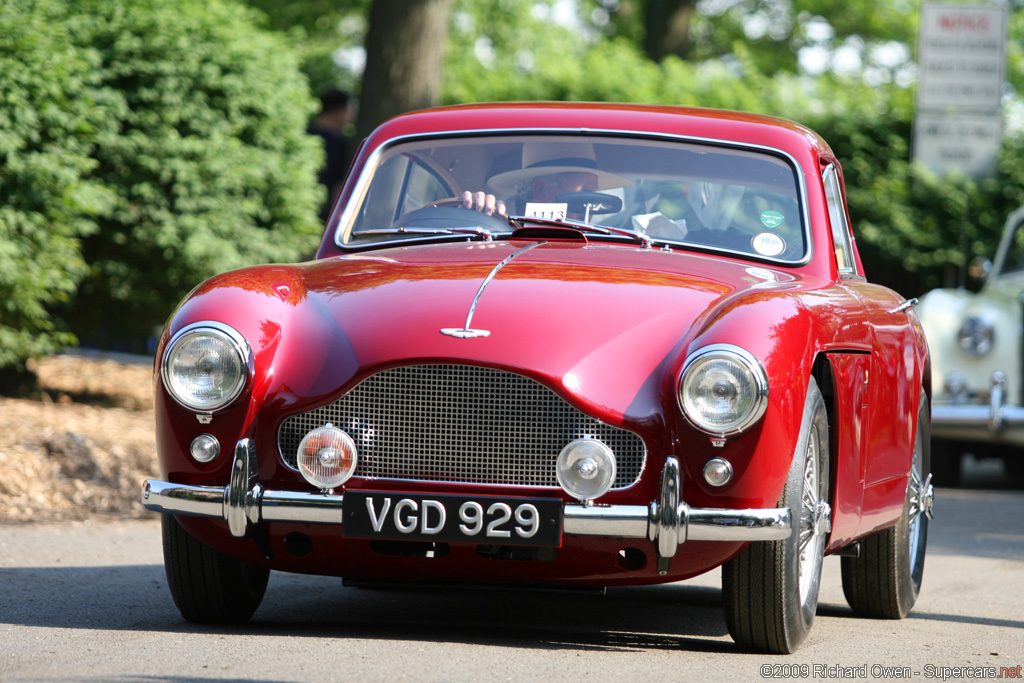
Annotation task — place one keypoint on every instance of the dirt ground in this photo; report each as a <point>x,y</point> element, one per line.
<point>82,446</point>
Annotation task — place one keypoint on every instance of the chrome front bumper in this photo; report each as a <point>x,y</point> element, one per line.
<point>667,522</point>
<point>995,422</point>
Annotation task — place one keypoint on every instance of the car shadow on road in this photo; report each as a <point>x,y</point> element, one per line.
<point>671,617</point>
<point>844,612</point>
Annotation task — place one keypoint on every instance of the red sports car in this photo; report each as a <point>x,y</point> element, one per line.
<point>557,345</point>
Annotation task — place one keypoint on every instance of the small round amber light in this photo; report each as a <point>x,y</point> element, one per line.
<point>586,469</point>
<point>327,457</point>
<point>717,472</point>
<point>204,448</point>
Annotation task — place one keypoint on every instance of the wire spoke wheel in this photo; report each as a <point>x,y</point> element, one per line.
<point>770,590</point>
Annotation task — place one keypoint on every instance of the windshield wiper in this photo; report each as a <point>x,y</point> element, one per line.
<point>477,231</point>
<point>646,241</point>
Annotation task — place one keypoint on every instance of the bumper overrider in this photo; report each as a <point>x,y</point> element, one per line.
<point>667,522</point>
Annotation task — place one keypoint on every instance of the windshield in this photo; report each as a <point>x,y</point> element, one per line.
<point>669,191</point>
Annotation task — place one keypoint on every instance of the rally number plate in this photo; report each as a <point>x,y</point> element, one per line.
<point>448,518</point>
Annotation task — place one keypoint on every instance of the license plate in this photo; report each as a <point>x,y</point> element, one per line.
<point>448,518</point>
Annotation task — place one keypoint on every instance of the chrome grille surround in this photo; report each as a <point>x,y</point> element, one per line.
<point>462,424</point>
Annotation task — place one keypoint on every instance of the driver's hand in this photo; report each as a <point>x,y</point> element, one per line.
<point>486,204</point>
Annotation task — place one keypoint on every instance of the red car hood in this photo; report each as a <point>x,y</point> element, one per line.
<point>600,320</point>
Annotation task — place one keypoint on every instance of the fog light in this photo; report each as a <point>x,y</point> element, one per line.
<point>327,457</point>
<point>586,469</point>
<point>204,448</point>
<point>717,472</point>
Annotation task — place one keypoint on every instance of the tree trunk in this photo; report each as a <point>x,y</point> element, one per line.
<point>404,57</point>
<point>668,28</point>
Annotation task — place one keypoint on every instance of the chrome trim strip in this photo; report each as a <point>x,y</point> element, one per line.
<point>667,523</point>
<point>467,332</point>
<point>345,218</point>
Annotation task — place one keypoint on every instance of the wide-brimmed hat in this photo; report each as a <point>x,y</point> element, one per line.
<point>542,158</point>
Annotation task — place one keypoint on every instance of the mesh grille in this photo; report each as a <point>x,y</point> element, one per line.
<point>456,423</point>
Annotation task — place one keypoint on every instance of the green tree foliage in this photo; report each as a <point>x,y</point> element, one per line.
<point>49,120</point>
<point>209,162</point>
<point>321,31</point>
<point>144,146</point>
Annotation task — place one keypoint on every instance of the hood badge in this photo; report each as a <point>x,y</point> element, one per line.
<point>466,332</point>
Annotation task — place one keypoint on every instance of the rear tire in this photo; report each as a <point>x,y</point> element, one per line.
<point>207,586</point>
<point>770,589</point>
<point>883,582</point>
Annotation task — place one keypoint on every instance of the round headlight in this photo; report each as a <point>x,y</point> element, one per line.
<point>722,390</point>
<point>586,469</point>
<point>206,366</point>
<point>327,457</point>
<point>976,336</point>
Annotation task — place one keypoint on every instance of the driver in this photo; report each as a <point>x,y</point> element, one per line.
<point>548,170</point>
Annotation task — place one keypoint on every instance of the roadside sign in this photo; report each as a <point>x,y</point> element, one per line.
<point>968,142</point>
<point>962,57</point>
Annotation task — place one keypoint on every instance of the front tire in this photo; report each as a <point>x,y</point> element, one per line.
<point>770,589</point>
<point>884,580</point>
<point>209,587</point>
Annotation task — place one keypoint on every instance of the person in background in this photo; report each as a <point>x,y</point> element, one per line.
<point>337,110</point>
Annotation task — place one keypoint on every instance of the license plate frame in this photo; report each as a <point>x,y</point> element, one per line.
<point>451,518</point>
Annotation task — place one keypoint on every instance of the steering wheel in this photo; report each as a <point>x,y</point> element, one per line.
<point>450,213</point>
<point>447,201</point>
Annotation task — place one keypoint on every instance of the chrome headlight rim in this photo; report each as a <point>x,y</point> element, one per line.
<point>754,373</point>
<point>225,333</point>
<point>976,336</point>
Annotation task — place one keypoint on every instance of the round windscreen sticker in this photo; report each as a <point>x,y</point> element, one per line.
<point>771,219</point>
<point>768,244</point>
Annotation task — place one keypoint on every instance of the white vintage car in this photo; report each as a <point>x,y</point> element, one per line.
<point>977,347</point>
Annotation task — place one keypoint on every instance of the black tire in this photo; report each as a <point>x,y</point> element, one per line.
<point>946,457</point>
<point>207,586</point>
<point>770,590</point>
<point>884,580</point>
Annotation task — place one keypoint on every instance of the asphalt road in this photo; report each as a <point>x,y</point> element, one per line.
<point>89,602</point>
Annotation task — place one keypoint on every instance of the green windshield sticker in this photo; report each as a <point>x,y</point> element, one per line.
<point>771,219</point>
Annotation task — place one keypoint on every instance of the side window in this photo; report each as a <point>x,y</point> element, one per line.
<point>423,187</point>
<point>841,235</point>
<point>401,184</point>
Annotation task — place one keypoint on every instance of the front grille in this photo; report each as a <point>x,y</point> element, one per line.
<point>457,423</point>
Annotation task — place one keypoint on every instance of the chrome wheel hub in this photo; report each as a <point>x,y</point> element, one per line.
<point>815,523</point>
<point>922,496</point>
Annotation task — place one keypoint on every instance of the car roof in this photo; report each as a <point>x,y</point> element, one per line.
<point>695,122</point>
